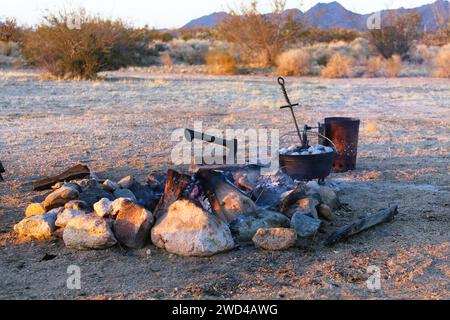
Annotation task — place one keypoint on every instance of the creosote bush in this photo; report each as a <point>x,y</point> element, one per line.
<point>221,62</point>
<point>295,62</point>
<point>396,35</point>
<point>77,46</point>
<point>260,37</point>
<point>339,66</point>
<point>192,52</point>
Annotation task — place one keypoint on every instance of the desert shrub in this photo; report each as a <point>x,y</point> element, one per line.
<point>316,35</point>
<point>6,48</point>
<point>375,66</point>
<point>81,50</point>
<point>197,33</point>
<point>442,62</point>
<point>360,47</point>
<point>339,66</point>
<point>10,31</point>
<point>393,65</point>
<point>261,37</point>
<point>421,53</point>
<point>396,35</point>
<point>221,62</point>
<point>192,51</point>
<point>295,62</point>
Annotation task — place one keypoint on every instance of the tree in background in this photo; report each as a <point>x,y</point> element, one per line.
<point>261,37</point>
<point>396,35</point>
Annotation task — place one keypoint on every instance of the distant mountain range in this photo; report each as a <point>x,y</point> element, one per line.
<point>333,15</point>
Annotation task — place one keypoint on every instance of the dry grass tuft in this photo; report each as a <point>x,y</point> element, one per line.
<point>166,60</point>
<point>374,66</point>
<point>221,62</point>
<point>442,62</point>
<point>393,66</point>
<point>339,66</point>
<point>294,62</point>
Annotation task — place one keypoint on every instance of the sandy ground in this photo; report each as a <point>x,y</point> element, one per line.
<point>122,125</point>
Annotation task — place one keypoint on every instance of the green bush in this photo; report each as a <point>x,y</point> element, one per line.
<point>75,45</point>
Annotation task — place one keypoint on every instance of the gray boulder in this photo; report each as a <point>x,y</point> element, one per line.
<point>245,226</point>
<point>125,193</point>
<point>325,212</point>
<point>275,238</point>
<point>304,225</point>
<point>329,197</point>
<point>91,195</point>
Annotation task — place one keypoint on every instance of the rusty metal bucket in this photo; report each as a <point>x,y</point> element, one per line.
<point>344,133</point>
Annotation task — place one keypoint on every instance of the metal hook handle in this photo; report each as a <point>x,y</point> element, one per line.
<point>281,82</point>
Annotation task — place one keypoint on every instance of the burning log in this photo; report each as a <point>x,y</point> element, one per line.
<point>226,200</point>
<point>77,172</point>
<point>175,187</point>
<point>295,195</point>
<point>361,225</point>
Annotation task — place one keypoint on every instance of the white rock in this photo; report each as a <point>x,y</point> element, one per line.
<point>189,230</point>
<point>116,205</point>
<point>103,207</point>
<point>86,232</point>
<point>66,215</point>
<point>126,182</point>
<point>60,197</point>
<point>37,227</point>
<point>110,185</point>
<point>34,209</point>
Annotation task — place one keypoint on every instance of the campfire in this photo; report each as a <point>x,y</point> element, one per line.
<point>212,209</point>
<point>201,213</point>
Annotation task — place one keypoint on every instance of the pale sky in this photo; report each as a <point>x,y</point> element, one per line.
<point>171,13</point>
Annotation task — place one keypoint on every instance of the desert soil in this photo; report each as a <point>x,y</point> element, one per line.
<point>122,125</point>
